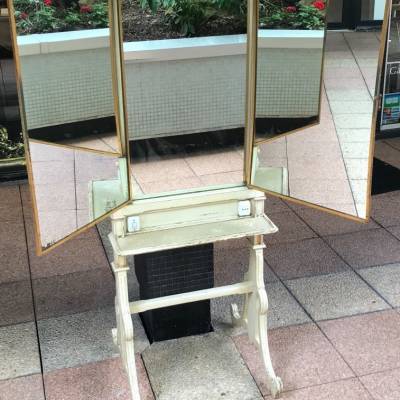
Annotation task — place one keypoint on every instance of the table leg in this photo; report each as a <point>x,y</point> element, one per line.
<point>254,315</point>
<point>123,335</point>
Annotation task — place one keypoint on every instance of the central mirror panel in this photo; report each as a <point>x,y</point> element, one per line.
<point>185,74</point>
<point>65,70</point>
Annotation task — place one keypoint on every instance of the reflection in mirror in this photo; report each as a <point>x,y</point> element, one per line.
<point>185,70</point>
<point>73,187</point>
<point>65,71</point>
<point>329,164</point>
<point>289,65</point>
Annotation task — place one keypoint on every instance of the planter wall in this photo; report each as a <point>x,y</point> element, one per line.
<point>174,86</point>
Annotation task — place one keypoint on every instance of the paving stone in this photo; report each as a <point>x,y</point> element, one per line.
<point>10,205</point>
<point>274,204</point>
<point>301,356</point>
<point>383,385</point>
<point>395,230</point>
<point>350,389</point>
<point>19,351</point>
<point>82,338</point>
<point>327,224</point>
<point>198,368</point>
<point>335,295</point>
<point>105,380</point>
<point>104,228</point>
<point>72,293</point>
<point>16,303</point>
<point>231,264</point>
<point>73,256</point>
<point>83,253</point>
<point>291,228</point>
<point>304,258</point>
<point>387,153</point>
<point>24,388</point>
<point>12,235</point>
<point>367,248</point>
<point>283,310</point>
<point>386,209</point>
<point>242,243</point>
<point>386,281</point>
<point>369,343</point>
<point>14,264</point>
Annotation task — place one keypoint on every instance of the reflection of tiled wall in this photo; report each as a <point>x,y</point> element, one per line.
<point>288,82</point>
<point>67,87</point>
<point>170,97</point>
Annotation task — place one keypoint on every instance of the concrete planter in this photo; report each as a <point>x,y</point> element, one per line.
<point>174,86</point>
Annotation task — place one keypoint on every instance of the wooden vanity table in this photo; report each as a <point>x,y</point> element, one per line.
<point>186,220</point>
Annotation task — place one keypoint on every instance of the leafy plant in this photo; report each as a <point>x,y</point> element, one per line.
<point>9,148</point>
<point>294,15</point>
<point>188,15</point>
<point>37,16</point>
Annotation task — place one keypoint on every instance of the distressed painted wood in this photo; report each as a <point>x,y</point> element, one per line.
<point>188,220</point>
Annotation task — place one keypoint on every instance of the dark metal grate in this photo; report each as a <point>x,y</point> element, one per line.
<point>171,272</point>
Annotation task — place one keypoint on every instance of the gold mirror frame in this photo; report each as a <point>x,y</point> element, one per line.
<point>252,142</point>
<point>116,46</point>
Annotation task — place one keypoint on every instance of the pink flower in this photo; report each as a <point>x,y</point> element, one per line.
<point>24,15</point>
<point>48,3</point>
<point>85,9</point>
<point>319,4</point>
<point>291,9</point>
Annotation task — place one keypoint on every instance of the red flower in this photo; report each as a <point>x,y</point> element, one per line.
<point>24,15</point>
<point>319,4</point>
<point>85,9</point>
<point>48,3</point>
<point>291,9</point>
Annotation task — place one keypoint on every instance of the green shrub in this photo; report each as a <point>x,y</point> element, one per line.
<point>294,15</point>
<point>8,148</point>
<point>37,16</point>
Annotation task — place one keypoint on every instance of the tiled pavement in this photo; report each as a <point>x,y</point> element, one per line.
<point>334,317</point>
<point>334,323</point>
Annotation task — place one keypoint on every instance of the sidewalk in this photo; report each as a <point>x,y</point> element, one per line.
<point>334,295</point>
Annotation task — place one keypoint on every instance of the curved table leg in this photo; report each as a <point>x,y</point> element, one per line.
<point>255,314</point>
<point>123,335</point>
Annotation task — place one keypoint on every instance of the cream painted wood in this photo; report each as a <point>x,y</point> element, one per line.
<point>176,229</point>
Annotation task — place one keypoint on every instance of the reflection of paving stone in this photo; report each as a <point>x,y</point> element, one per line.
<point>336,295</point>
<point>82,338</point>
<point>19,351</point>
<point>197,368</point>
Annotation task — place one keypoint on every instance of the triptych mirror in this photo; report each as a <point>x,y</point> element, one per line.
<point>141,107</point>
